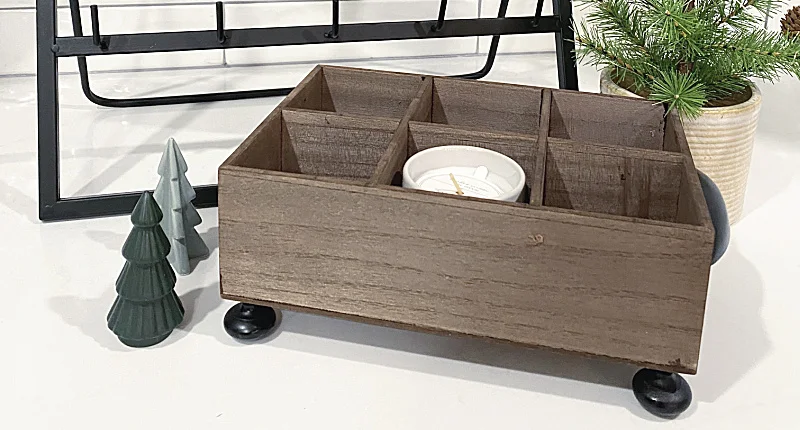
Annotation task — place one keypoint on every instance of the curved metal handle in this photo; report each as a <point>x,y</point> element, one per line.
<point>719,216</point>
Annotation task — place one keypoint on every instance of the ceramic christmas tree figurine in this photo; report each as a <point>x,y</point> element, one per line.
<point>147,308</point>
<point>174,195</point>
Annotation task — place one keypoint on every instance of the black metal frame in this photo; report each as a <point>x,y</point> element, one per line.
<point>51,47</point>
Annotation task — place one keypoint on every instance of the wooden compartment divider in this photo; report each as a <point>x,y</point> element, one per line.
<point>418,110</point>
<point>609,256</point>
<point>537,182</point>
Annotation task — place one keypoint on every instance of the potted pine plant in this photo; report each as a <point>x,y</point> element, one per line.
<point>700,58</point>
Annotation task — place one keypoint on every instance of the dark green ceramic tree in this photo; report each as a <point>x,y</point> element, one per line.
<point>147,308</point>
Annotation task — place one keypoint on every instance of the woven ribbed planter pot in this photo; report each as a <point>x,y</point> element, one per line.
<point>721,142</point>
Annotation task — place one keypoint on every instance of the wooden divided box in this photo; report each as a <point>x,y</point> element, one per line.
<point>608,253</point>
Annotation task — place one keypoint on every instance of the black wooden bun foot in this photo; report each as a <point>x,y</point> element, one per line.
<point>719,216</point>
<point>249,322</point>
<point>663,394</point>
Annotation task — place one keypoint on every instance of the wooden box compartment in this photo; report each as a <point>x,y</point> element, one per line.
<point>358,92</point>
<point>588,178</point>
<point>487,107</point>
<point>299,141</point>
<point>522,149</point>
<point>607,253</point>
<point>576,116</point>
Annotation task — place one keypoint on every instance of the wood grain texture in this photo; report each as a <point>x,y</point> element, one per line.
<point>609,120</point>
<point>624,290</point>
<point>634,183</point>
<point>360,92</point>
<point>486,106</point>
<point>327,234</point>
<point>520,148</point>
<point>332,144</point>
<point>692,207</point>
<point>308,94</point>
<point>264,149</point>
<point>537,181</point>
<point>396,155</point>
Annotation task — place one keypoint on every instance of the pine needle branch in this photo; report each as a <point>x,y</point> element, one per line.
<point>761,54</point>
<point>746,13</point>
<point>686,54</point>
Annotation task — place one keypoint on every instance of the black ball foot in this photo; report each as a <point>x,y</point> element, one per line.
<point>249,322</point>
<point>719,216</point>
<point>663,394</point>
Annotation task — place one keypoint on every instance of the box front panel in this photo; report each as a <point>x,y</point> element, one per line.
<point>538,277</point>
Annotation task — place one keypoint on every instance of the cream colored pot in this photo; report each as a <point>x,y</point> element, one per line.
<point>721,142</point>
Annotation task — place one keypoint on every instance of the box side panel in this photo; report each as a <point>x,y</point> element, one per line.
<point>502,272</point>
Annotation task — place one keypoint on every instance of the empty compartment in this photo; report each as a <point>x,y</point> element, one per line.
<point>522,149</point>
<point>607,120</point>
<point>319,144</point>
<point>486,106</point>
<point>633,183</point>
<point>358,92</point>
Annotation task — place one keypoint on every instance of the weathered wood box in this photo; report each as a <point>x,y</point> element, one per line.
<point>608,255</point>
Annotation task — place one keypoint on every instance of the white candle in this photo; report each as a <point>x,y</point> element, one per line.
<point>465,170</point>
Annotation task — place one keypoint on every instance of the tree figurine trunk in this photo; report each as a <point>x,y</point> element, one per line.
<point>174,195</point>
<point>147,308</point>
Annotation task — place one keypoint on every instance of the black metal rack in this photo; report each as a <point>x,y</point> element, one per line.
<point>51,47</point>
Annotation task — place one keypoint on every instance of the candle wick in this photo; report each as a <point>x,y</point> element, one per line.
<point>458,187</point>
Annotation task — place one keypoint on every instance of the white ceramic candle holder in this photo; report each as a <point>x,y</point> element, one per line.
<point>465,170</point>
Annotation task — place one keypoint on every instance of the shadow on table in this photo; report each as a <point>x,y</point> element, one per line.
<point>537,370</point>
<point>734,337</point>
<point>734,342</point>
<point>89,315</point>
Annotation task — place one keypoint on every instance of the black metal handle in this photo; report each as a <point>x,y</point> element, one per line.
<point>719,216</point>
<point>334,33</point>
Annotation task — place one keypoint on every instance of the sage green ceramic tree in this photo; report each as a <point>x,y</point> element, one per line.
<point>174,195</point>
<point>146,309</point>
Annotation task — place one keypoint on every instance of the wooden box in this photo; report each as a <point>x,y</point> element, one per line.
<point>608,255</point>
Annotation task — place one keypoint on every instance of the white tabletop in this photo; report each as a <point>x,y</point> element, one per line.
<point>63,369</point>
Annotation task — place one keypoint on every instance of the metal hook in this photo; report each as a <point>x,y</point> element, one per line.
<point>440,21</point>
<point>221,38</point>
<point>334,33</point>
<point>96,39</point>
<point>539,6</point>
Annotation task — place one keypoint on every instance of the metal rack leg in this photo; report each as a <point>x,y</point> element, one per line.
<point>47,99</point>
<point>565,46</point>
<point>487,67</point>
